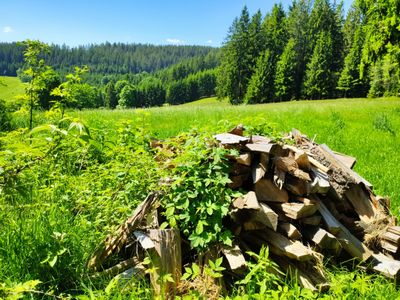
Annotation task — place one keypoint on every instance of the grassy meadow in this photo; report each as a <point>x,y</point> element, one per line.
<point>10,87</point>
<point>54,212</point>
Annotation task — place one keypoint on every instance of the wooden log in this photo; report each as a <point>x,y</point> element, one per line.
<point>391,237</point>
<point>348,241</point>
<point>166,259</point>
<point>348,161</point>
<point>297,186</point>
<point>144,240</point>
<point>289,230</point>
<point>266,216</point>
<point>120,267</point>
<point>289,165</point>
<point>258,139</point>
<point>238,130</point>
<point>267,191</point>
<point>244,159</point>
<point>320,183</point>
<point>230,139</point>
<point>282,245</point>
<point>302,160</point>
<point>235,258</point>
<point>237,180</point>
<point>264,148</point>
<point>394,229</point>
<point>386,266</point>
<point>323,239</point>
<point>259,167</point>
<point>296,210</point>
<point>248,201</point>
<point>336,163</point>
<point>389,246</point>
<point>312,160</point>
<point>361,203</point>
<point>115,242</point>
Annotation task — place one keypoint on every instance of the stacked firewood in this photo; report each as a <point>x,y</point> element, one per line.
<point>302,200</point>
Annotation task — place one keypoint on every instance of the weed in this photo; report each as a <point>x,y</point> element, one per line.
<point>381,122</point>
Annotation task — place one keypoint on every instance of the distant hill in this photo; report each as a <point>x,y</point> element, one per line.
<point>107,58</point>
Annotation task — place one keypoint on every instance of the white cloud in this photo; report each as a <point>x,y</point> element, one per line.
<point>175,41</point>
<point>7,29</point>
<point>209,42</point>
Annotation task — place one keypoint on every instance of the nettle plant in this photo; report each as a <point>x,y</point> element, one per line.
<point>198,198</point>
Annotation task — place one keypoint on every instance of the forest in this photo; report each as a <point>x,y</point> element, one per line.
<point>309,51</point>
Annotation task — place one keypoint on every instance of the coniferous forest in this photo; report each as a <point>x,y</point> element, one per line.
<point>311,50</point>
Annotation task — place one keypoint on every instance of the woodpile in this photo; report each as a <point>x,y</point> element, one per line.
<point>302,200</point>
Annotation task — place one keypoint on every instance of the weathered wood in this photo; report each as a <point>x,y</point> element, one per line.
<point>320,183</point>
<point>312,160</point>
<point>115,242</point>
<point>248,201</point>
<point>289,165</point>
<point>258,139</point>
<point>238,130</point>
<point>244,159</point>
<point>144,240</point>
<point>267,191</point>
<point>389,246</point>
<point>391,237</point>
<point>361,203</point>
<point>335,162</point>
<point>259,167</point>
<point>235,258</point>
<point>267,216</point>
<point>120,267</point>
<point>166,259</point>
<point>394,229</point>
<point>295,210</point>
<point>347,160</point>
<point>297,186</point>
<point>230,139</point>
<point>264,148</point>
<point>302,160</point>
<point>290,231</point>
<point>348,241</point>
<point>386,266</point>
<point>282,245</point>
<point>323,239</point>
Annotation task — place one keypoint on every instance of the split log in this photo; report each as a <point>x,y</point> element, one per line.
<point>389,246</point>
<point>296,210</point>
<point>361,203</point>
<point>320,183</point>
<point>259,167</point>
<point>267,191</point>
<point>348,241</point>
<point>289,230</point>
<point>297,186</point>
<point>166,259</point>
<point>281,245</point>
<point>266,216</point>
<point>238,130</point>
<point>244,159</point>
<point>115,242</point>
<point>235,258</point>
<point>259,139</point>
<point>230,139</point>
<point>289,165</point>
<point>386,266</point>
<point>347,160</point>
<point>312,161</point>
<point>391,237</point>
<point>121,267</point>
<point>144,240</point>
<point>323,239</point>
<point>394,229</point>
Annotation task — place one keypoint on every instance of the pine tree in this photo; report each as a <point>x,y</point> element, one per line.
<point>318,82</point>
<point>261,85</point>
<point>111,96</point>
<point>236,68</point>
<point>350,81</point>
<point>285,78</point>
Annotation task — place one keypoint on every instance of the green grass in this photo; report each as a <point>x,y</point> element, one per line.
<point>12,88</point>
<point>364,128</point>
<point>368,129</point>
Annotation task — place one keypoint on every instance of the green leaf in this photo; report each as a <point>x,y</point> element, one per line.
<point>199,228</point>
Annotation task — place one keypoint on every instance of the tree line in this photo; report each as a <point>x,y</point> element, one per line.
<point>312,51</point>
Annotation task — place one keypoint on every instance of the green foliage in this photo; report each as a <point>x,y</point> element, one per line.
<point>198,199</point>
<point>381,122</point>
<point>319,78</point>
<point>5,116</point>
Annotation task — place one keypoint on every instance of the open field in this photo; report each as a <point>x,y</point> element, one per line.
<point>12,87</point>
<point>76,195</point>
<point>368,129</point>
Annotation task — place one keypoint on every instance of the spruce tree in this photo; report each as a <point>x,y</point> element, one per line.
<point>318,82</point>
<point>261,85</point>
<point>285,78</point>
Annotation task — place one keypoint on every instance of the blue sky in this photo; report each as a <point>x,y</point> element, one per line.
<point>81,22</point>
